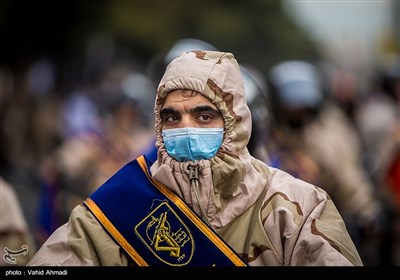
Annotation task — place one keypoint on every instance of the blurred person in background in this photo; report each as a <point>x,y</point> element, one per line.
<point>103,123</point>
<point>256,91</point>
<point>104,127</point>
<point>378,120</point>
<point>17,242</point>
<point>29,106</point>
<point>211,204</point>
<point>314,140</point>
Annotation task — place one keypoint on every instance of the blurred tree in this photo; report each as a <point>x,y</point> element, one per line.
<point>257,31</point>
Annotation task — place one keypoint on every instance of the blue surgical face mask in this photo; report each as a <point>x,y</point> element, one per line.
<point>191,143</point>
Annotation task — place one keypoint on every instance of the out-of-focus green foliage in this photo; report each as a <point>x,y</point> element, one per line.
<point>257,31</point>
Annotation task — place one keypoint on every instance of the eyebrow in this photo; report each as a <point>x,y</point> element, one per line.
<point>205,109</point>
<point>167,111</point>
<point>197,109</point>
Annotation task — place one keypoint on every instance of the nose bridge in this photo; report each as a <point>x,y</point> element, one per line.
<point>187,120</point>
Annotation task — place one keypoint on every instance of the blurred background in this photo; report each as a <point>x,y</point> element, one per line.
<point>78,80</point>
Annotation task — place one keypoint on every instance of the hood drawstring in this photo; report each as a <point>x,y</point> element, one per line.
<point>194,184</point>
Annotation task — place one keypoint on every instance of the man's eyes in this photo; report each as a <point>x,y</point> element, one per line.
<point>204,117</point>
<point>199,117</point>
<point>170,118</point>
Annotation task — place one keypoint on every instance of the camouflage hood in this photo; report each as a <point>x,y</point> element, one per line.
<point>228,183</point>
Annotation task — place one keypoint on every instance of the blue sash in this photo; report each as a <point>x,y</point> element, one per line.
<point>153,225</point>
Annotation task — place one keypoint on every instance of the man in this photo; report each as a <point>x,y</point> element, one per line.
<point>203,200</point>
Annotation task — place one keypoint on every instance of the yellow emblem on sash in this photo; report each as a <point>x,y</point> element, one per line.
<point>166,236</point>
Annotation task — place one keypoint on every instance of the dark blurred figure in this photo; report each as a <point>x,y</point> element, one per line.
<point>256,90</point>
<point>378,120</point>
<point>103,123</point>
<point>17,244</point>
<point>312,138</point>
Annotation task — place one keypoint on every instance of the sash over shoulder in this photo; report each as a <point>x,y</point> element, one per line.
<point>153,225</point>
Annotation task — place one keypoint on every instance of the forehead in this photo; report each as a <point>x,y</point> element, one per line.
<point>185,96</point>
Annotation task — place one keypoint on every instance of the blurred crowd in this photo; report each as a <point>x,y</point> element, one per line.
<point>62,137</point>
